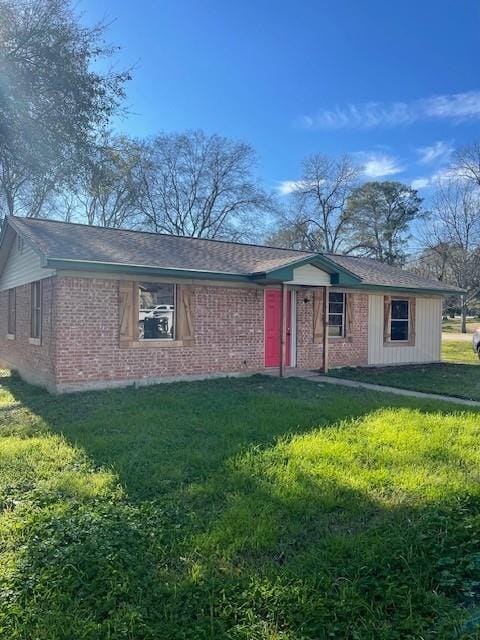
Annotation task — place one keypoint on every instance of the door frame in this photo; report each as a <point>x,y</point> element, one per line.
<point>293,325</point>
<point>293,328</point>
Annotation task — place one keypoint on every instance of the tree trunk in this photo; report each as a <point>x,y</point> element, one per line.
<point>464,315</point>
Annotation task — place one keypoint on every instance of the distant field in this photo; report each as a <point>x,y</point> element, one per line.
<point>454,325</point>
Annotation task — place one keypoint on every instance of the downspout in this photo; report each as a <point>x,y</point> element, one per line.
<point>325,329</point>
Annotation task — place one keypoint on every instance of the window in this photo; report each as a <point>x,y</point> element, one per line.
<point>156,311</point>
<point>399,322</point>
<point>12,312</point>
<point>36,310</point>
<point>336,314</point>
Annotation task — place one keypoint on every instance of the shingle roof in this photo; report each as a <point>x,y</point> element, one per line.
<point>65,241</point>
<point>83,243</point>
<point>380,274</point>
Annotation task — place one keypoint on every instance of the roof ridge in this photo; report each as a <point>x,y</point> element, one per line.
<point>166,235</point>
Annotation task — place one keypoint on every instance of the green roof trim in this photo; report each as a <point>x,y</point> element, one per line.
<point>411,290</point>
<point>102,267</point>
<point>339,275</point>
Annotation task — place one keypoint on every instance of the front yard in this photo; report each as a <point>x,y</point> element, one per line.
<point>458,375</point>
<point>241,509</point>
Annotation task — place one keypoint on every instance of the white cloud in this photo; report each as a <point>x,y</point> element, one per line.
<point>376,165</point>
<point>458,107</point>
<point>420,183</point>
<point>439,151</point>
<point>286,187</point>
<point>443,175</point>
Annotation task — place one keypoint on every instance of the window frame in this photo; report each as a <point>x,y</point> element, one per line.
<point>406,320</point>
<point>36,311</point>
<point>343,314</point>
<point>162,341</point>
<point>12,314</point>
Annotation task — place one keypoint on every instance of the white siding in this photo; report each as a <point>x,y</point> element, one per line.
<point>310,275</point>
<point>22,267</point>
<point>428,333</point>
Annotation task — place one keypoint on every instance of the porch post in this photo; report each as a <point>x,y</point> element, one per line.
<point>325,329</point>
<point>283,327</point>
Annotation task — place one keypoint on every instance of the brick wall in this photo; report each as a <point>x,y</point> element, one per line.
<point>309,355</point>
<point>341,351</point>
<point>354,352</point>
<point>80,336</point>
<point>36,363</point>
<point>228,326</point>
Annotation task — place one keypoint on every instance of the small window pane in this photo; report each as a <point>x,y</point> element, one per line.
<point>336,320</point>
<point>335,331</point>
<point>399,330</point>
<point>335,296</point>
<point>156,316</point>
<point>335,307</point>
<point>399,309</point>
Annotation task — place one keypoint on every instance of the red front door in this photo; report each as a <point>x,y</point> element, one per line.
<point>273,306</point>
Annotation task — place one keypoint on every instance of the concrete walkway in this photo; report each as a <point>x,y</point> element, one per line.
<point>354,384</point>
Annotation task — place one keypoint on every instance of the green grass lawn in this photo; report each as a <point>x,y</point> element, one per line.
<point>458,375</point>
<point>242,509</point>
<point>459,351</point>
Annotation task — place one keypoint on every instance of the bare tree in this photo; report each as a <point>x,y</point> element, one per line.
<point>107,191</point>
<point>201,185</point>
<point>52,101</point>
<point>453,234</point>
<point>466,164</point>
<point>319,199</point>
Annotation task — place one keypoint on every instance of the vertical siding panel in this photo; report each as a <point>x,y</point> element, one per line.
<point>428,334</point>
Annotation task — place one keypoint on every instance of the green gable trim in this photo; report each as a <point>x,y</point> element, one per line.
<point>338,275</point>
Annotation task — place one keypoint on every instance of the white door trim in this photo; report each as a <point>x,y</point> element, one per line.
<point>293,328</point>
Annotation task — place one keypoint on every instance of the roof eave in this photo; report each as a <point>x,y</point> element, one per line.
<point>63,264</point>
<point>400,289</point>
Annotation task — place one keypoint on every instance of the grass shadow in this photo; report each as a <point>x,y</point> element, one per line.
<point>239,509</point>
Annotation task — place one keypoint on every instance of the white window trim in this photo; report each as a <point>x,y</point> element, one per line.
<point>344,315</point>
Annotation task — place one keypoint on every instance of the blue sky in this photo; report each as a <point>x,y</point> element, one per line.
<point>395,83</point>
